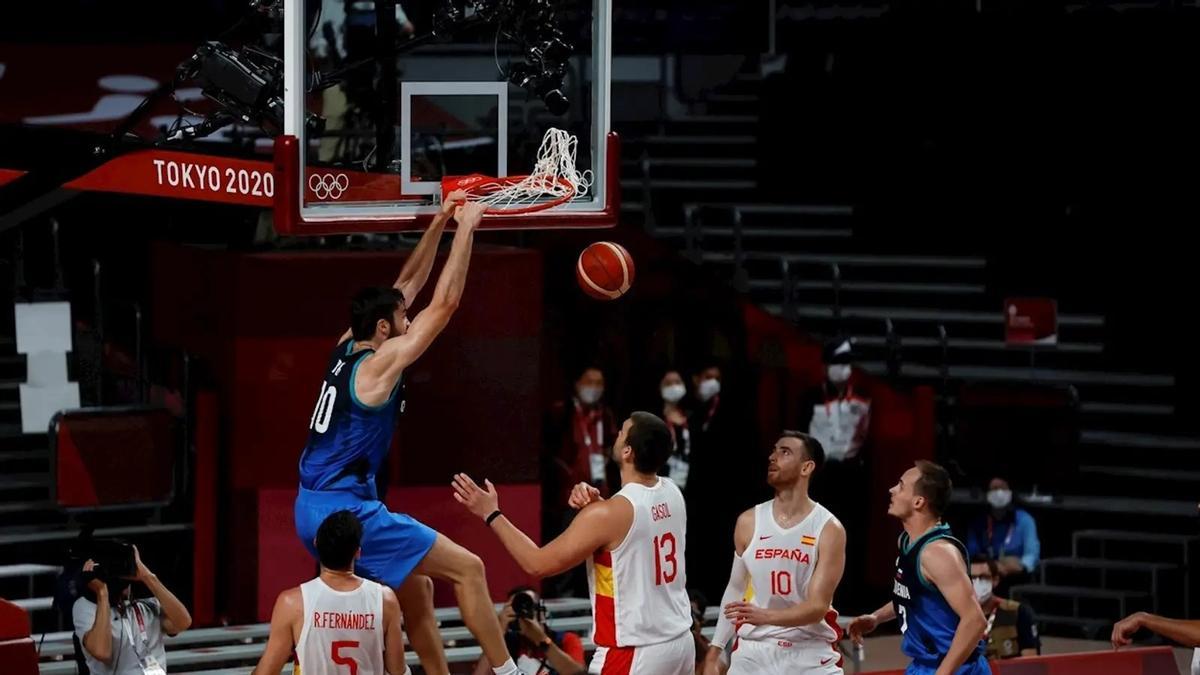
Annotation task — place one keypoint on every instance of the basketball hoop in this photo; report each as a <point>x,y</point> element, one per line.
<point>554,180</point>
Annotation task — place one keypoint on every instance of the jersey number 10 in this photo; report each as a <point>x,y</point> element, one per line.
<point>324,409</point>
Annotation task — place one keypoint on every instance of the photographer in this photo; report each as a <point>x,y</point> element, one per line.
<point>120,635</point>
<point>536,649</point>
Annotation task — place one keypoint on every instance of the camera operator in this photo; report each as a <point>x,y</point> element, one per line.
<point>536,649</point>
<point>120,635</point>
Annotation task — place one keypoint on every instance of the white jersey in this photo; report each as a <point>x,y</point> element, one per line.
<point>639,589</point>
<point>781,563</point>
<point>341,628</point>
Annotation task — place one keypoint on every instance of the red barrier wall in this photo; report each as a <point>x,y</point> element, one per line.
<point>263,325</point>
<point>17,652</point>
<point>1148,661</point>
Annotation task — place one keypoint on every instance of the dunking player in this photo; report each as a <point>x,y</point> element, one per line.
<point>351,431</point>
<point>939,615</point>
<point>337,619</point>
<point>633,543</point>
<point>789,556</point>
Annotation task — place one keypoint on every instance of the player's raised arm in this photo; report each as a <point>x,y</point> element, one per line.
<point>399,352</point>
<point>596,526</point>
<point>416,269</point>
<point>943,565</point>
<point>287,613</point>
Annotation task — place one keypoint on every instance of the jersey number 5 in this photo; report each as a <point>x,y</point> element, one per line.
<point>661,575</point>
<point>324,409</point>
<point>335,650</point>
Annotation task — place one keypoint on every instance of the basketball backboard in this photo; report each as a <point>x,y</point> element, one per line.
<point>377,112</point>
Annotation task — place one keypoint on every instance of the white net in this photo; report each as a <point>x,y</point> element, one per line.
<point>553,178</point>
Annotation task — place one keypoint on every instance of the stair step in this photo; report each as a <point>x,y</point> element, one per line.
<point>977,344</point>
<point>1106,564</point>
<point>1116,408</point>
<point>1124,439</point>
<point>1043,375</point>
<point>1078,591</point>
<point>936,314</point>
<point>21,481</point>
<point>777,209</point>
<point>689,184</point>
<point>689,139</point>
<point>755,232</point>
<point>693,162</point>
<point>856,260</point>
<point>1143,473</point>
<point>34,604</point>
<point>1137,537</point>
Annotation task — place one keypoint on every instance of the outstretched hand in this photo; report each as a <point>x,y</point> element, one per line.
<point>477,500</point>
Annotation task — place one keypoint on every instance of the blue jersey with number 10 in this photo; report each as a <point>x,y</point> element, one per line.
<point>347,439</point>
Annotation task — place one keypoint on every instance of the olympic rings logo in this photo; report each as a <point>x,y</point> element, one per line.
<point>328,186</point>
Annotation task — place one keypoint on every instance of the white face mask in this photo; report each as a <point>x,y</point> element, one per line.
<point>672,393</point>
<point>983,588</point>
<point>999,498</point>
<point>708,389</point>
<point>590,395</point>
<point>838,373</point>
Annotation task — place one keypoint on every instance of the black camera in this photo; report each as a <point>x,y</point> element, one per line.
<point>114,559</point>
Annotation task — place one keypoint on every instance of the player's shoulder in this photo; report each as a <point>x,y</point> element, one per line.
<point>289,603</point>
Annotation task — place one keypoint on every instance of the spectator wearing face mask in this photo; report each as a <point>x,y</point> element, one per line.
<point>838,415</point>
<point>1006,534</point>
<point>579,432</point>
<point>672,390</point>
<point>1011,629</point>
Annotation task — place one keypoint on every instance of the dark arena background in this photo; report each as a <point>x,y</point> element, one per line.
<point>982,208</point>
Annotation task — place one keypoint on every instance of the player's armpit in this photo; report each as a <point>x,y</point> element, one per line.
<point>743,532</point>
<point>598,525</point>
<point>289,607</point>
<point>379,373</point>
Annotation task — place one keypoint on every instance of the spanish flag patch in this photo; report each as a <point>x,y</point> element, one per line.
<point>808,541</point>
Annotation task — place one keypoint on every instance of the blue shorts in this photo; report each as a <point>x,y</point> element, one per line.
<point>392,544</point>
<point>976,666</point>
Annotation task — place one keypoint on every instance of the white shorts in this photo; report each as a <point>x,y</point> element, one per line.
<point>780,657</point>
<point>673,657</point>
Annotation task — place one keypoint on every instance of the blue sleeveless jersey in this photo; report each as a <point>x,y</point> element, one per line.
<point>927,620</point>
<point>347,439</point>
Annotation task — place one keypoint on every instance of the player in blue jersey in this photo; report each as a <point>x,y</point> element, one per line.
<point>350,432</point>
<point>939,615</point>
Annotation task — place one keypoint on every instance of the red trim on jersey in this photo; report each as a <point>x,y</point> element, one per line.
<point>618,661</point>
<point>602,558</point>
<point>604,619</point>
<point>831,618</point>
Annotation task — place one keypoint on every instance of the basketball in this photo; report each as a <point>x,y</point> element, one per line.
<point>604,270</point>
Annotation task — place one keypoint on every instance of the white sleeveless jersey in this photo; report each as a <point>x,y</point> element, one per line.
<point>639,589</point>
<point>342,629</point>
<point>781,563</point>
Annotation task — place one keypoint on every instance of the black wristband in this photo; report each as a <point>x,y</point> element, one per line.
<point>494,515</point>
